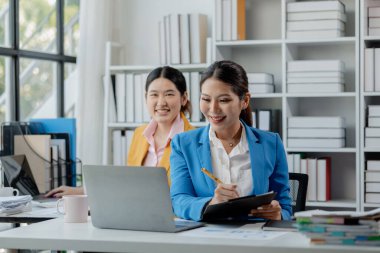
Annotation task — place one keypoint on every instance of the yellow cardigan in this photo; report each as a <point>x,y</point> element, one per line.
<point>139,148</point>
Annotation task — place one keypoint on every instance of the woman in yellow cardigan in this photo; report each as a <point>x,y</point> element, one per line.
<point>167,102</point>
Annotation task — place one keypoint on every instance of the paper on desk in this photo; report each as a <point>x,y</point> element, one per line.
<point>250,231</point>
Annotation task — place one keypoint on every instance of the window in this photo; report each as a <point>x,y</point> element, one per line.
<point>38,48</point>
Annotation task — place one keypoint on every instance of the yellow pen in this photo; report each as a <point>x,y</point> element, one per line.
<point>217,180</point>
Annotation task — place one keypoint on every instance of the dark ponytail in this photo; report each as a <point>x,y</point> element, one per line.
<point>235,76</point>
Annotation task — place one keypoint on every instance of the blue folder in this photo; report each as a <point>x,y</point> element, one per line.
<point>61,125</point>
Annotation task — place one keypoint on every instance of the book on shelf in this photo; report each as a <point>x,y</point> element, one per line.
<point>316,142</point>
<point>130,97</point>
<point>372,132</point>
<point>116,148</point>
<point>198,37</point>
<point>167,38</point>
<point>311,80</point>
<point>138,98</point>
<point>303,167</point>
<point>377,73</point>
<point>373,165</point>
<point>238,20</point>
<point>145,112</point>
<point>315,74</point>
<point>112,117</point>
<point>316,122</point>
<point>290,160</point>
<point>315,6</point>
<point>372,197</point>
<point>372,142</point>
<point>311,25</point>
<point>316,132</point>
<point>254,119</point>
<point>374,110</point>
<point>226,20</point>
<point>315,65</point>
<point>312,88</point>
<point>373,121</point>
<point>369,69</point>
<point>312,183</point>
<point>317,34</point>
<point>324,179</point>
<point>162,42</point>
<point>316,15</point>
<point>195,96</point>
<point>186,75</point>
<point>184,20</point>
<point>372,176</point>
<point>175,54</point>
<point>269,120</point>
<point>218,20</point>
<point>372,187</point>
<point>260,88</point>
<point>120,97</point>
<point>297,162</point>
<point>255,78</point>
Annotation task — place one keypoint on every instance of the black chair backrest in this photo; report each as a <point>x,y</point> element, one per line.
<point>298,190</point>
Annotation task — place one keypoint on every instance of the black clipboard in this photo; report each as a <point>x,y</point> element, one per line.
<point>237,207</point>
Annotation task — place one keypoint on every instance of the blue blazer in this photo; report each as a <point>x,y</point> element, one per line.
<point>191,190</point>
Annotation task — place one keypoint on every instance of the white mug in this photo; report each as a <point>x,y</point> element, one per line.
<point>8,192</point>
<point>75,208</point>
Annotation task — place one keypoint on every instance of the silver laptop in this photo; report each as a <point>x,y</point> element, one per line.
<point>133,198</point>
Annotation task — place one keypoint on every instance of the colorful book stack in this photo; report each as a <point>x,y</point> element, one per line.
<point>372,132</point>
<point>260,83</point>
<point>316,132</point>
<point>372,182</point>
<point>315,19</point>
<point>374,21</point>
<point>342,228</point>
<point>309,76</point>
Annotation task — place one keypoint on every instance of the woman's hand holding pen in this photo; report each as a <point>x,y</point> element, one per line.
<point>271,211</point>
<point>223,193</point>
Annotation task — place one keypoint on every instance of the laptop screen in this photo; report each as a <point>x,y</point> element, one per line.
<point>18,174</point>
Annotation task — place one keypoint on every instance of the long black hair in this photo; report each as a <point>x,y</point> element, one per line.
<point>173,75</point>
<point>235,76</point>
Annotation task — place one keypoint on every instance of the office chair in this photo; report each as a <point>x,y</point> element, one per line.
<point>298,189</point>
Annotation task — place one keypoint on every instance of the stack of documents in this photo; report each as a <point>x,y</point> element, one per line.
<point>310,76</point>
<point>372,132</point>
<point>316,132</point>
<point>15,204</point>
<point>260,83</point>
<point>315,19</point>
<point>347,228</point>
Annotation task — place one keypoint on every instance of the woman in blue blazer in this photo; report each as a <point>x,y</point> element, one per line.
<point>247,160</point>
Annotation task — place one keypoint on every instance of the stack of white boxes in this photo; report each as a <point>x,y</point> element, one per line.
<point>372,132</point>
<point>316,132</point>
<point>260,83</point>
<point>372,182</point>
<point>309,76</point>
<point>315,19</point>
<point>374,21</point>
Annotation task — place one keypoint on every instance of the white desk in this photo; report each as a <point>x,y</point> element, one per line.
<point>57,235</point>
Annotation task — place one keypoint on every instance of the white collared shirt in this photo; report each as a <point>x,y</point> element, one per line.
<point>235,167</point>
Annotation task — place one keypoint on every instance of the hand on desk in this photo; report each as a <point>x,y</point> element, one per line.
<point>223,193</point>
<point>65,190</point>
<point>271,211</point>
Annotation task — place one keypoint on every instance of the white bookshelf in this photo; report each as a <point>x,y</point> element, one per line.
<point>366,98</point>
<point>266,49</point>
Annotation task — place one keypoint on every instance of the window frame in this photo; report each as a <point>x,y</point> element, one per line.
<point>15,53</point>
